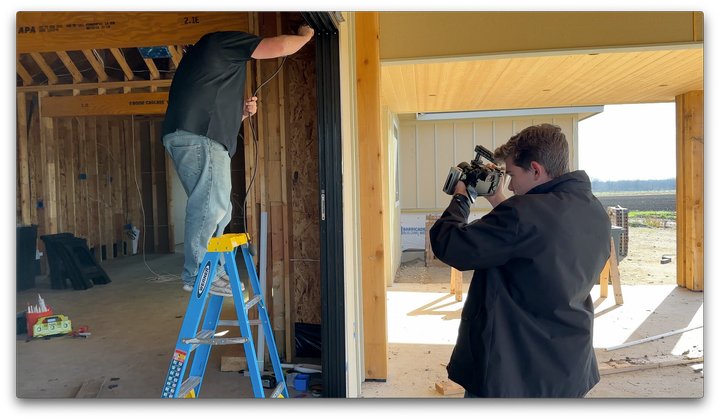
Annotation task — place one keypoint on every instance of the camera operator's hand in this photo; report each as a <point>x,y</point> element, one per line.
<point>499,195</point>
<point>460,188</point>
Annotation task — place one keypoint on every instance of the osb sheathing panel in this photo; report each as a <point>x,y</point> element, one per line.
<point>304,180</point>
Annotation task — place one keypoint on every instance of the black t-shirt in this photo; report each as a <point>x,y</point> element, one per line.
<point>207,93</point>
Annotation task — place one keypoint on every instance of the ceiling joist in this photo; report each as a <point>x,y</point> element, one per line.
<point>120,58</point>
<point>52,78</point>
<point>24,75</point>
<point>96,65</point>
<point>70,65</point>
<point>176,56</point>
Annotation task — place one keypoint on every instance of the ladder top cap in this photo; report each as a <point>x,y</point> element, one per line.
<point>227,242</point>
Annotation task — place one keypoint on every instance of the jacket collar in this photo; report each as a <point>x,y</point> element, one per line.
<point>576,180</point>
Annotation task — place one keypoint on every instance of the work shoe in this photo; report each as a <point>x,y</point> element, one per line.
<point>220,289</point>
<point>221,286</point>
<point>224,280</point>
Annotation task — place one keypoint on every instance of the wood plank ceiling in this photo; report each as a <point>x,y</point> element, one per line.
<point>540,82</point>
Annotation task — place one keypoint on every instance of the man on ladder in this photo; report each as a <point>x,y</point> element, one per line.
<point>204,115</point>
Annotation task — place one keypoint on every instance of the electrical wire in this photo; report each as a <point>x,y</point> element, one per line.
<point>159,278</point>
<point>252,128</point>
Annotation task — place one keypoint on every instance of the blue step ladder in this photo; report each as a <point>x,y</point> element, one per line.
<point>201,341</point>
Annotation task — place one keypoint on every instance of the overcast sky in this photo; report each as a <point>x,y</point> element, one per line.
<point>629,142</point>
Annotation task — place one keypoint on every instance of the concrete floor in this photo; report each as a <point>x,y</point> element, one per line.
<point>135,323</point>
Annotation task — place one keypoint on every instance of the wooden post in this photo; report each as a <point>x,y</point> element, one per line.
<point>285,197</point>
<point>67,177</point>
<point>153,180</point>
<point>93,191</point>
<point>690,199</point>
<point>456,285</point>
<point>118,184</point>
<point>611,273</point>
<point>367,27</point>
<point>23,159</point>
<point>105,194</point>
<point>604,279</point>
<point>47,155</point>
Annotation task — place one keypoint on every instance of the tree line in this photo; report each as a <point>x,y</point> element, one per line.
<point>633,185</point>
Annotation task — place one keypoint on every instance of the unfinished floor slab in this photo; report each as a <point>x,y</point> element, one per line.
<point>134,323</point>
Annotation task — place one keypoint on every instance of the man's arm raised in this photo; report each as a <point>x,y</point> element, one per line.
<point>282,45</point>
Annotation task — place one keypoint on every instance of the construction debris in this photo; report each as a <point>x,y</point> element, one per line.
<point>630,365</point>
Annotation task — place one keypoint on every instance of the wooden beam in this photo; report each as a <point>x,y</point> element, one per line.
<point>286,215</point>
<point>47,155</point>
<point>690,182</point>
<point>120,58</point>
<point>153,182</point>
<point>93,190</point>
<point>91,388</point>
<point>117,183</point>
<point>105,194</point>
<point>456,285</point>
<point>93,86</point>
<point>64,31</point>
<point>121,104</point>
<point>632,365</point>
<point>367,28</point>
<point>176,56</point>
<point>52,78</point>
<point>449,388</point>
<point>96,65</point>
<point>24,75</point>
<point>82,190</point>
<point>22,125</point>
<point>70,65</point>
<point>154,73</point>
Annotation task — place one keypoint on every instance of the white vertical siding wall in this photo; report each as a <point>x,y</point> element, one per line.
<point>429,148</point>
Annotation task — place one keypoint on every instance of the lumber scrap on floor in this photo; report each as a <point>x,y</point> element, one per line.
<point>449,388</point>
<point>91,388</point>
<point>631,365</point>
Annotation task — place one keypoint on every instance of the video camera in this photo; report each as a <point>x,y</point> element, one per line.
<point>479,179</point>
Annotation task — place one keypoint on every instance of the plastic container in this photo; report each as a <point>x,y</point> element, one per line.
<point>301,382</point>
<point>33,318</point>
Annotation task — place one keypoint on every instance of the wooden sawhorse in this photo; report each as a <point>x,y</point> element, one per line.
<point>611,272</point>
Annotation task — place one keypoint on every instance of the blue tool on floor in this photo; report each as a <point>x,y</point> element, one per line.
<point>201,341</point>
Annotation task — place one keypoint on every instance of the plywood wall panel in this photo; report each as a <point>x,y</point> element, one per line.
<point>302,144</point>
<point>95,194</point>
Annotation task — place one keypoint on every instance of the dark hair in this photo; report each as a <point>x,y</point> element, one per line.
<point>543,143</point>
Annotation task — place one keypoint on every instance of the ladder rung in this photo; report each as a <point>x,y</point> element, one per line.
<point>278,389</point>
<point>187,386</point>
<point>215,341</point>
<point>229,323</point>
<point>252,302</point>
<point>200,335</point>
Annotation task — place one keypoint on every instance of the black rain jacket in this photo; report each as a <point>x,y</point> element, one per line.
<point>527,324</point>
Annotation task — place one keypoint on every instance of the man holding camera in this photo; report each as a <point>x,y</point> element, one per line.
<point>527,324</point>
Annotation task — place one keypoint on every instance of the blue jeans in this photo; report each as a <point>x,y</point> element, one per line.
<point>203,166</point>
